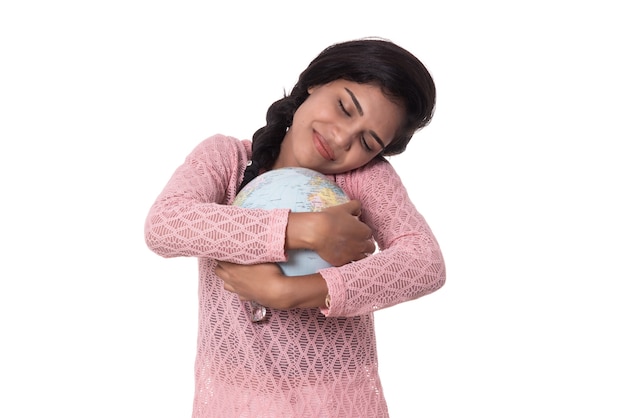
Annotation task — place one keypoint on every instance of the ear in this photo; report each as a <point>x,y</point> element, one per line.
<point>311,89</point>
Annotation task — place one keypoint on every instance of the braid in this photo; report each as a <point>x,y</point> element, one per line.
<point>266,141</point>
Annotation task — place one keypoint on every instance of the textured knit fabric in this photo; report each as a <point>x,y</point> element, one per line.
<point>301,362</point>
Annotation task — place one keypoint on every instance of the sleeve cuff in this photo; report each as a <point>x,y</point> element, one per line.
<point>279,235</point>
<point>336,292</point>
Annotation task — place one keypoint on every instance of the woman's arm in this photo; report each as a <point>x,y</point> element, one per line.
<point>267,285</point>
<point>409,264</point>
<point>192,216</point>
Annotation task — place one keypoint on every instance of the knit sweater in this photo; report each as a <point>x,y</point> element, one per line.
<point>300,362</point>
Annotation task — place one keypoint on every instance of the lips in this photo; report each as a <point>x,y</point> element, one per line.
<point>322,147</point>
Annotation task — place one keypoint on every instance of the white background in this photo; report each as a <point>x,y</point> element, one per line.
<point>520,175</point>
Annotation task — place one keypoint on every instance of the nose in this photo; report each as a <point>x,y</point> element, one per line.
<point>344,136</point>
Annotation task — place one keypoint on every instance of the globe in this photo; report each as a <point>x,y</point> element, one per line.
<point>298,189</point>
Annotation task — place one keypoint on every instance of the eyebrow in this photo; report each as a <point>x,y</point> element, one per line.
<point>360,110</point>
<point>356,102</point>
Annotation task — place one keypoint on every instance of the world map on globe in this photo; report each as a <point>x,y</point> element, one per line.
<point>298,189</point>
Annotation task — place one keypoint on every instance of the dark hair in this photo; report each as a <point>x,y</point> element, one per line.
<point>400,75</point>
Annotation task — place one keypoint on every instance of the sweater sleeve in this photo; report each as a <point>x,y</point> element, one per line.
<point>409,263</point>
<point>192,216</point>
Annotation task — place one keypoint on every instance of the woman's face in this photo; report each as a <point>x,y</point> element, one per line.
<point>341,126</point>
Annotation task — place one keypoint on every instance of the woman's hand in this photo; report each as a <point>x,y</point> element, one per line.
<point>336,233</point>
<point>267,285</point>
<point>258,282</point>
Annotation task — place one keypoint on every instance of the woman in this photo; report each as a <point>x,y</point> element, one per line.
<point>316,354</point>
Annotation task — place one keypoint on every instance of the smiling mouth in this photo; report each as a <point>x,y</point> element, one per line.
<point>322,147</point>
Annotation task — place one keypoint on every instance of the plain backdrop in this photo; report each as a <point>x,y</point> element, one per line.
<point>520,175</point>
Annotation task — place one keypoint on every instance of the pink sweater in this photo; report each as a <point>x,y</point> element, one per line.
<point>301,362</point>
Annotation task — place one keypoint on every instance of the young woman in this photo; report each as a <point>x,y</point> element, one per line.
<point>315,356</point>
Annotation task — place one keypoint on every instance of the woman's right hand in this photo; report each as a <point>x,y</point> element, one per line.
<point>336,233</point>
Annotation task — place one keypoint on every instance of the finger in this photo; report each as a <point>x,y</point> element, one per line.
<point>370,247</point>
<point>355,207</point>
<point>363,255</point>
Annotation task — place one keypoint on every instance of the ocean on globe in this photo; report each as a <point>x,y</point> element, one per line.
<point>298,189</point>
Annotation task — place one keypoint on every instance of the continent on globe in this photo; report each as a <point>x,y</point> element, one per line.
<point>300,190</point>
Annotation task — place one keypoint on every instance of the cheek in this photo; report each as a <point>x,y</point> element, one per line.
<point>356,161</point>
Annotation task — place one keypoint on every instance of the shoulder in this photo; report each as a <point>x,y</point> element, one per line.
<point>221,152</point>
<point>220,157</point>
<point>376,175</point>
<point>224,144</point>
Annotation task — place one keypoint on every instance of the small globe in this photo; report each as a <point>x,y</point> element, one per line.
<point>298,189</point>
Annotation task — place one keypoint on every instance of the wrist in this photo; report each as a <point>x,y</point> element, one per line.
<point>308,291</point>
<point>300,232</point>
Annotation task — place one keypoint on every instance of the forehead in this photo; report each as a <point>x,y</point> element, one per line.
<point>373,91</point>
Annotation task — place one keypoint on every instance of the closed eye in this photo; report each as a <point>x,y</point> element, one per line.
<point>363,140</point>
<point>343,109</point>
<point>365,144</point>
